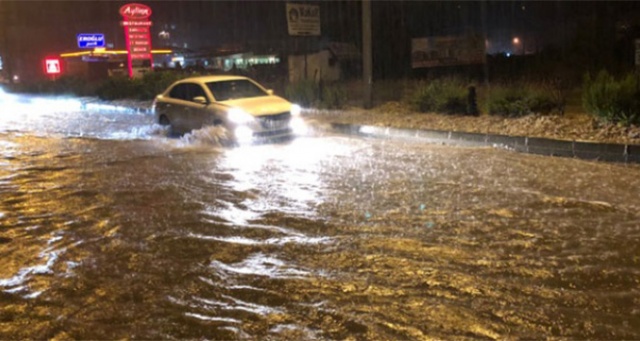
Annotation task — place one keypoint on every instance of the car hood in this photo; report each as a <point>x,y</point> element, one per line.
<point>259,106</point>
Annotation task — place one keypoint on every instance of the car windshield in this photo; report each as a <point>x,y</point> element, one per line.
<point>234,89</point>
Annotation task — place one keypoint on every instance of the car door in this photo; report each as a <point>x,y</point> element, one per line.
<point>173,107</point>
<point>197,112</point>
<point>183,112</point>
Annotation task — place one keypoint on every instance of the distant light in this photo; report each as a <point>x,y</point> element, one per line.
<point>516,40</point>
<point>75,54</point>
<point>16,78</point>
<point>508,54</point>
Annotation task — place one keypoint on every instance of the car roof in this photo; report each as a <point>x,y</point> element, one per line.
<point>211,78</point>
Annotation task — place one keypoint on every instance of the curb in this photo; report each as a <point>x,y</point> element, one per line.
<point>607,152</point>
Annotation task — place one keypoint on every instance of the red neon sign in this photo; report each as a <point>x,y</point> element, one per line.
<point>136,23</point>
<point>52,66</point>
<point>135,11</point>
<point>136,32</point>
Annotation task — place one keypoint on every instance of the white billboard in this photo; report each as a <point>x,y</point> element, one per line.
<point>303,20</point>
<point>447,51</point>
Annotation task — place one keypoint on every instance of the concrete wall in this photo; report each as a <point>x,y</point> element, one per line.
<point>319,66</point>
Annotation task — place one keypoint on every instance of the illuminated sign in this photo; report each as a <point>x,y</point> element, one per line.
<point>136,32</point>
<point>90,40</point>
<point>135,11</point>
<point>303,19</point>
<point>135,23</point>
<point>52,66</point>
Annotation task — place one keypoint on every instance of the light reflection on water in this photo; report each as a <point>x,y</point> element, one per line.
<point>317,238</point>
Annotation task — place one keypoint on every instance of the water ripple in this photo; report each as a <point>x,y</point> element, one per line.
<point>259,264</point>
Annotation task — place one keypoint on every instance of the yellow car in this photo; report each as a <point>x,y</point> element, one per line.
<point>247,110</point>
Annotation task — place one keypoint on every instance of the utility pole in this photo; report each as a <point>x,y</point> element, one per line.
<point>4,26</point>
<point>8,46</point>
<point>367,61</point>
<point>485,64</point>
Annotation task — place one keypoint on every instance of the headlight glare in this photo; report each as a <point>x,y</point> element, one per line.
<point>295,110</point>
<point>243,134</point>
<point>239,116</point>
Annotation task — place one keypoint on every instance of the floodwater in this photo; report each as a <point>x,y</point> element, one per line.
<point>110,230</point>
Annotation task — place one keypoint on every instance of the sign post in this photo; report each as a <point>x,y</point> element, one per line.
<point>367,58</point>
<point>303,20</point>
<point>637,48</point>
<point>137,35</point>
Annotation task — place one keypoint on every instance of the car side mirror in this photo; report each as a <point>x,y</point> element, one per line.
<point>270,92</point>
<point>200,100</point>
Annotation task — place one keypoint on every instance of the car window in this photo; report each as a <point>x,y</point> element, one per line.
<point>179,91</point>
<point>194,90</point>
<point>187,91</point>
<point>234,89</point>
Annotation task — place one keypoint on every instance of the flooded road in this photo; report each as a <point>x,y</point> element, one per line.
<point>110,230</point>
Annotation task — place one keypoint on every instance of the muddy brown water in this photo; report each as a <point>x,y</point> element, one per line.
<point>109,230</point>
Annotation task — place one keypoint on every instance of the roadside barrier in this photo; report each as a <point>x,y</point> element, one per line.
<point>608,152</point>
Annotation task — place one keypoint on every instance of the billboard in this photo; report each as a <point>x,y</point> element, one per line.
<point>447,51</point>
<point>303,20</point>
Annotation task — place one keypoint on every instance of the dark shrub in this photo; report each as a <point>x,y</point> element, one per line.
<point>303,92</point>
<point>518,100</point>
<point>447,96</point>
<point>65,85</point>
<point>611,100</point>
<point>119,87</point>
<point>153,83</point>
<point>334,96</point>
<point>309,93</point>
<point>145,88</point>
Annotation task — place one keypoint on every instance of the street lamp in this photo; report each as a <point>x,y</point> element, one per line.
<point>516,43</point>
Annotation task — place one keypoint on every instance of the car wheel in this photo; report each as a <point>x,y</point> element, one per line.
<point>164,121</point>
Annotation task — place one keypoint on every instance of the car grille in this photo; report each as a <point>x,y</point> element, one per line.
<point>275,122</point>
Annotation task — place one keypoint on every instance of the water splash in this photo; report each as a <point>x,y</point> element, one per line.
<point>207,136</point>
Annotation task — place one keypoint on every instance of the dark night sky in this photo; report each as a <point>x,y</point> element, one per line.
<point>36,28</point>
<point>207,23</point>
<point>217,21</point>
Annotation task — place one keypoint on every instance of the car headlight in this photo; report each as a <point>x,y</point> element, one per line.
<point>295,110</point>
<point>239,116</point>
